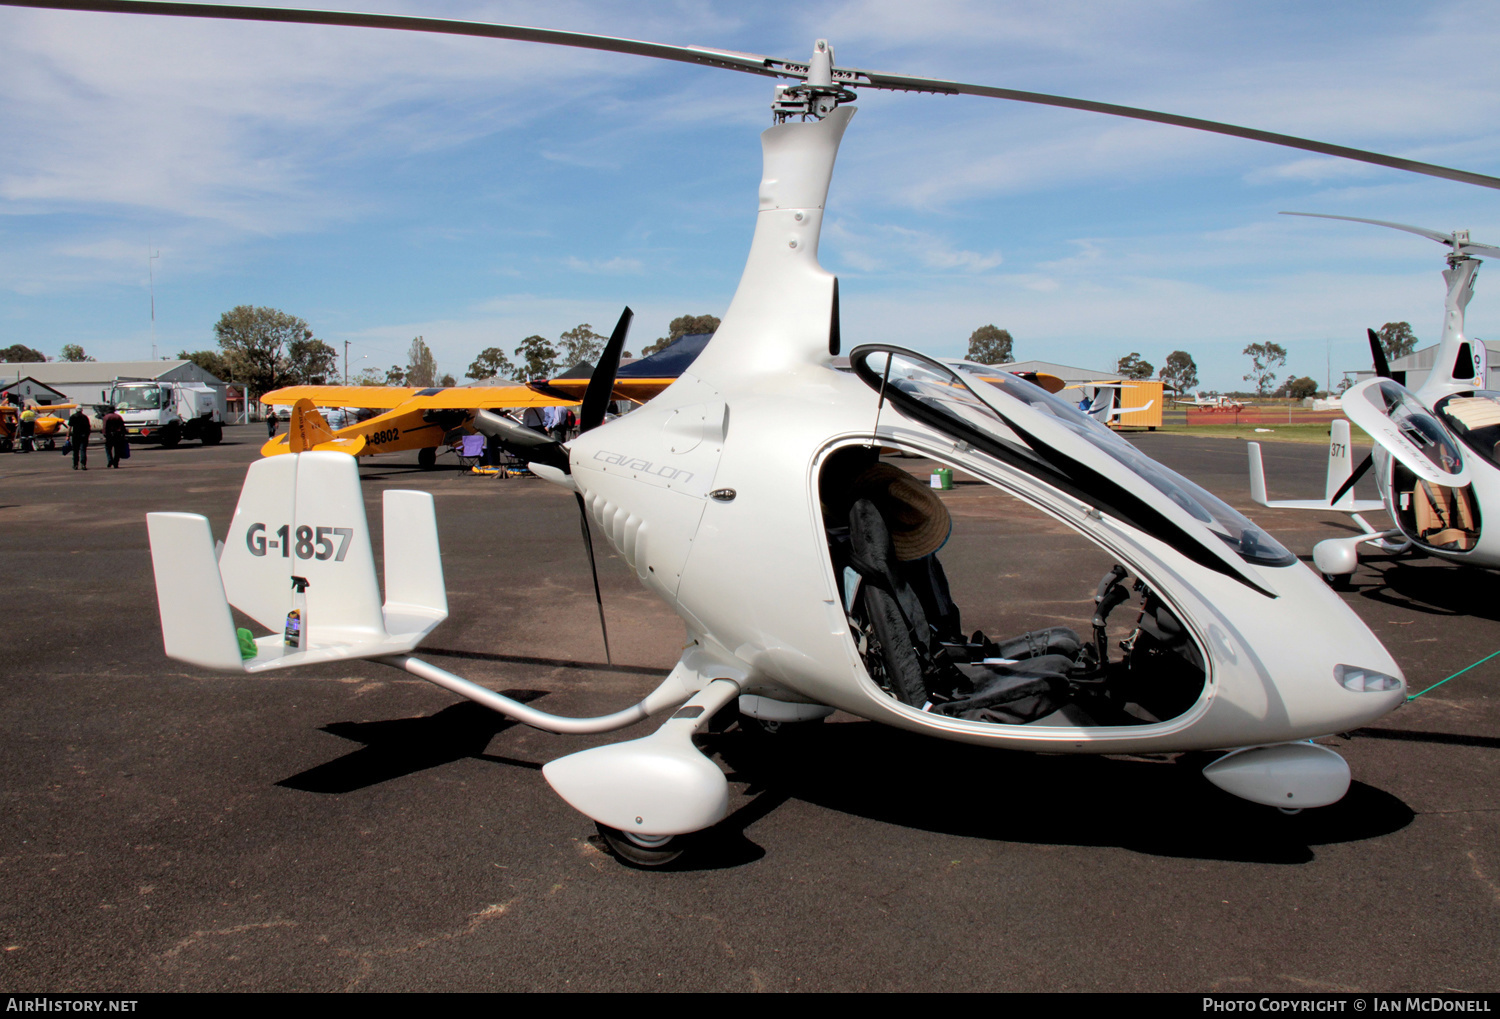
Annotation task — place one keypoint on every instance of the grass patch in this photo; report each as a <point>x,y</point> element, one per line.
<point>1316,432</point>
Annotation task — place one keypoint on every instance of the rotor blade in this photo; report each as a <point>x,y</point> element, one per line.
<point>588,543</point>
<point>1377,354</point>
<point>1359,472</point>
<point>1486,250</point>
<point>875,79</point>
<point>749,63</point>
<point>602,383</point>
<point>1441,238</point>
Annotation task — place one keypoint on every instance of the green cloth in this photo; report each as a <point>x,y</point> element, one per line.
<point>248,650</point>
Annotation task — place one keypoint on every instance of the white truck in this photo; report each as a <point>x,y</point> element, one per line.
<point>168,412</point>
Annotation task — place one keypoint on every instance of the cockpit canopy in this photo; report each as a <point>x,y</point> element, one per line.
<point>1023,425</point>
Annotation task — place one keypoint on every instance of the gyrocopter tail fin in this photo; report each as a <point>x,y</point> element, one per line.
<point>300,525</point>
<point>1337,493</point>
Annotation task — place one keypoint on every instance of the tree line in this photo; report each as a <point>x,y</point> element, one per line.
<point>992,345</point>
<point>265,349</point>
<point>538,358</point>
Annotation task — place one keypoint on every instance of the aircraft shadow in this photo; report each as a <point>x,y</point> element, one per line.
<point>1148,806</point>
<point>1414,736</point>
<point>1433,587</point>
<point>404,746</point>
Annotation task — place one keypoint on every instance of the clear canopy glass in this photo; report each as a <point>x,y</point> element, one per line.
<point>941,389</point>
<point>1417,425</point>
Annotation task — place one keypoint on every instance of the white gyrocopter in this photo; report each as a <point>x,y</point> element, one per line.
<point>763,461</point>
<point>1437,450</point>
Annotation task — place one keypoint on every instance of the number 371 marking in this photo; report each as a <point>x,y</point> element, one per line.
<point>309,542</point>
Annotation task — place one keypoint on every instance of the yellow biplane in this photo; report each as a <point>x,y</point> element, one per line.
<point>429,419</point>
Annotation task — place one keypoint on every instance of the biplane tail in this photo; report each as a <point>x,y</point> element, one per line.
<point>300,524</point>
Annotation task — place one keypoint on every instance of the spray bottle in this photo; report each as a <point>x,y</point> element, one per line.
<point>296,619</point>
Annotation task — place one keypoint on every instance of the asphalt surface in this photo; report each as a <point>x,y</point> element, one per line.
<point>348,827</point>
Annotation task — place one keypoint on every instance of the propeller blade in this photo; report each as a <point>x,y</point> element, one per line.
<point>1377,354</point>
<point>1359,472</point>
<point>602,382</point>
<point>748,63</point>
<point>527,443</point>
<point>588,543</point>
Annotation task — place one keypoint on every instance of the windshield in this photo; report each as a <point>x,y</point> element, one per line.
<point>1475,419</point>
<point>1417,425</point>
<point>941,390</point>
<point>136,398</point>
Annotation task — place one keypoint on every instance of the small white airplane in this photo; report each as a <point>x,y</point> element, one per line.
<point>1099,399</point>
<point>750,497</point>
<point>1436,460</point>
<point>1204,400</point>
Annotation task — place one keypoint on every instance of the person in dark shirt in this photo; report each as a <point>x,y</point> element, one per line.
<point>79,428</point>
<point>114,437</point>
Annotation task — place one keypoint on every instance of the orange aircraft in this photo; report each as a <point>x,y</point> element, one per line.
<point>429,419</point>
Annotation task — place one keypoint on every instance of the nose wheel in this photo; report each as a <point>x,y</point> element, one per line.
<point>641,850</point>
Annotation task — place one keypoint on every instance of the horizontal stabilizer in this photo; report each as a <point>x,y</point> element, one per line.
<point>299,516</point>
<point>1347,504</point>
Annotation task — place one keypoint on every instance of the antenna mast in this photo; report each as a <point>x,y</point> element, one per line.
<point>151,270</point>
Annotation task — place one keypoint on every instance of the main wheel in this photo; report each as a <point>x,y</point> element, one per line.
<point>213,434</point>
<point>427,458</point>
<point>171,436</point>
<point>641,850</point>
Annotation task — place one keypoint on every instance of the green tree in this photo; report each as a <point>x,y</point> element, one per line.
<point>683,325</point>
<point>395,375</point>
<point>368,377</point>
<point>447,380</point>
<point>421,366</point>
<point>1133,366</point>
<point>1265,358</point>
<point>1179,374</point>
<point>256,345</point>
<point>990,345</point>
<point>210,361</point>
<point>73,352</point>
<point>1397,339</point>
<point>538,358</point>
<point>1298,389</point>
<point>311,362</point>
<point>19,353</point>
<point>581,343</point>
<point>492,363</point>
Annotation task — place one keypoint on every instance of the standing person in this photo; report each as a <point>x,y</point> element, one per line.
<point>28,429</point>
<point>114,437</point>
<point>270,421</point>
<point>79,428</point>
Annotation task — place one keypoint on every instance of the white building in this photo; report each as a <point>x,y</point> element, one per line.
<point>1412,370</point>
<point>88,382</point>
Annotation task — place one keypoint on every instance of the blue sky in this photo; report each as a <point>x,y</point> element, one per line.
<point>383,185</point>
